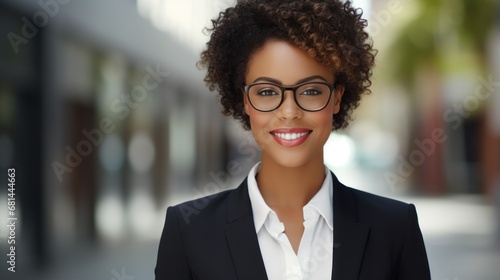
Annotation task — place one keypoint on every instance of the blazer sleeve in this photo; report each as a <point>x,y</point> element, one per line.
<point>172,262</point>
<point>413,263</point>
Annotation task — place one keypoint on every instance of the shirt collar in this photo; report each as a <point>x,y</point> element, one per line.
<point>260,208</point>
<point>322,201</point>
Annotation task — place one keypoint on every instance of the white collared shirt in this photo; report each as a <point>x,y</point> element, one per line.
<point>314,257</point>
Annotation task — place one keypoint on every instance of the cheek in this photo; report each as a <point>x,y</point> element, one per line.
<point>258,121</point>
<point>325,125</point>
<point>325,117</point>
<point>261,123</point>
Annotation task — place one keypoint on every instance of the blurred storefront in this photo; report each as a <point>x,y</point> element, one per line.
<point>438,78</point>
<point>104,118</point>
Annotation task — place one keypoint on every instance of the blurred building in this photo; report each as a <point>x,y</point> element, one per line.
<point>437,78</point>
<point>104,117</point>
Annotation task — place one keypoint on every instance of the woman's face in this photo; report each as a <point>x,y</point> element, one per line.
<point>307,132</point>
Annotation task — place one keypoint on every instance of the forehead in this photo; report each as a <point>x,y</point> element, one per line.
<point>285,62</point>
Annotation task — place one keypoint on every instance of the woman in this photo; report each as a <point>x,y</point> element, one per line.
<point>291,71</point>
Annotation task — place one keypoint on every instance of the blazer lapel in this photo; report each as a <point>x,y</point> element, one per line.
<point>241,236</point>
<point>349,235</point>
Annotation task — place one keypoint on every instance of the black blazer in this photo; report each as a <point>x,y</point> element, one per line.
<point>214,237</point>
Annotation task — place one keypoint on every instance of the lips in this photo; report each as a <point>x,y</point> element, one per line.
<point>290,137</point>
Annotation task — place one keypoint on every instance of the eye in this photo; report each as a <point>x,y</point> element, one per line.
<point>311,91</point>
<point>267,92</point>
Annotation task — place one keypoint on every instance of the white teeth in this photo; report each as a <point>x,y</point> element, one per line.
<point>291,136</point>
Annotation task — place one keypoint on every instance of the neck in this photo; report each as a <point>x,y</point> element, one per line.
<point>290,187</point>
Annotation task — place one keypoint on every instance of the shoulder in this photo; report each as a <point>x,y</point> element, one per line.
<point>374,208</point>
<point>392,232</point>
<point>192,237</point>
<point>203,210</point>
<point>377,203</point>
<point>392,223</point>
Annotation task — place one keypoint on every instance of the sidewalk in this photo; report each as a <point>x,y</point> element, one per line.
<point>460,233</point>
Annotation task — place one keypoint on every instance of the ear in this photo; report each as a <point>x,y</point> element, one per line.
<point>337,98</point>
<point>246,103</point>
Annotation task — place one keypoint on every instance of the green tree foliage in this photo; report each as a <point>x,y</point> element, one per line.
<point>441,31</point>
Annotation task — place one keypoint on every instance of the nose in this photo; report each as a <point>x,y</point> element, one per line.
<point>289,108</point>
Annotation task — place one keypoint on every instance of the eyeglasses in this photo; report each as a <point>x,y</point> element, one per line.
<point>310,96</point>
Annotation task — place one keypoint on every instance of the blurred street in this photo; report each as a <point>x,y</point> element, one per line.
<point>460,247</point>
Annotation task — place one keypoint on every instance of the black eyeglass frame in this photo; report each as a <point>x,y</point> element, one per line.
<point>294,88</point>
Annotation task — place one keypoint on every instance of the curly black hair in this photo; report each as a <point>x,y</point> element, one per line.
<point>331,32</point>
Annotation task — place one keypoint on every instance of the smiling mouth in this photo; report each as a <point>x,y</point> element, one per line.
<point>290,136</point>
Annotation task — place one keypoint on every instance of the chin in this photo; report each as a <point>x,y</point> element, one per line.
<point>290,158</point>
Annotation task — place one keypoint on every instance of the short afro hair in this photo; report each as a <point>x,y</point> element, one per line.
<point>332,32</point>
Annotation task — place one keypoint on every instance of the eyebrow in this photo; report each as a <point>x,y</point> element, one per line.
<point>303,80</point>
